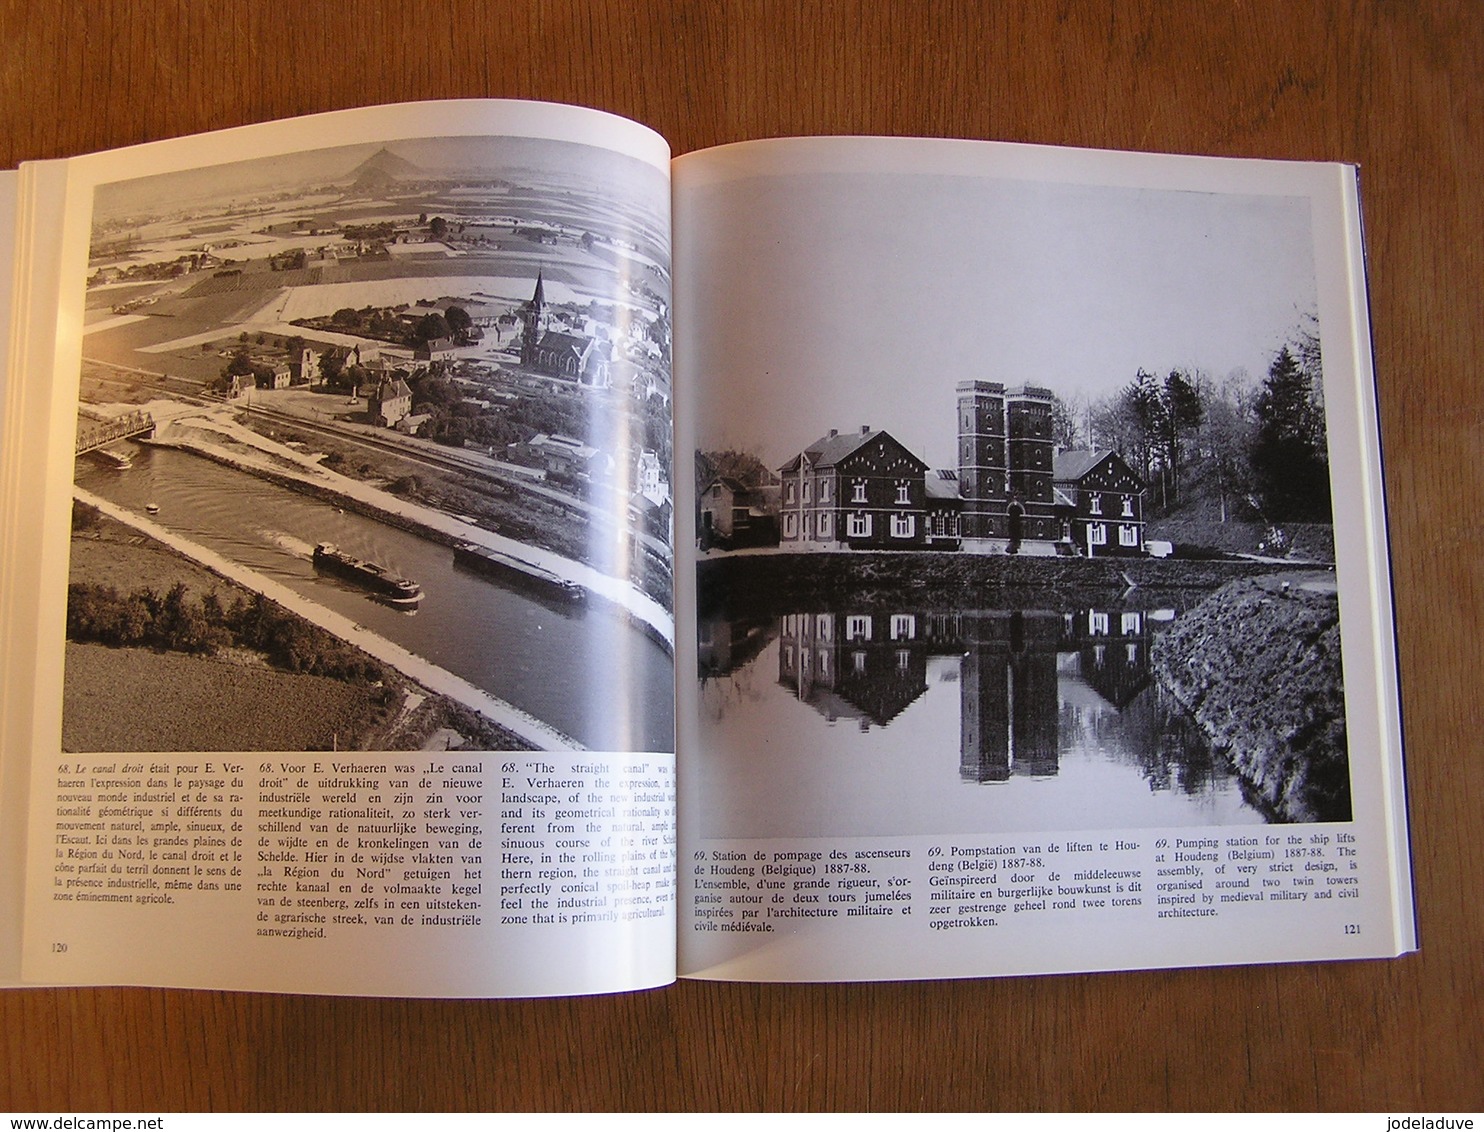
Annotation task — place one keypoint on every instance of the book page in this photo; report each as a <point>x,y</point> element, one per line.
<point>12,771</point>
<point>344,635</point>
<point>1038,565</point>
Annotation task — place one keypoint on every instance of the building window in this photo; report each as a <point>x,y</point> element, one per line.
<point>1128,535</point>
<point>826,526</point>
<point>1095,504</point>
<point>904,660</point>
<point>1128,507</point>
<point>790,525</point>
<point>903,626</point>
<point>904,493</point>
<point>788,492</point>
<point>860,526</point>
<point>822,626</point>
<point>1130,625</point>
<point>903,526</point>
<point>808,492</point>
<point>858,491</point>
<point>858,661</point>
<point>1097,624</point>
<point>824,664</point>
<point>824,490</point>
<point>858,627</point>
<point>1097,533</point>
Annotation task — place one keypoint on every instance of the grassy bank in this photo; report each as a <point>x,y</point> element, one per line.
<point>1258,666</point>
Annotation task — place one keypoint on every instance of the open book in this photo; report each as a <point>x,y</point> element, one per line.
<point>454,549</point>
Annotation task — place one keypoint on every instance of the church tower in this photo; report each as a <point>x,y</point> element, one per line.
<point>533,317</point>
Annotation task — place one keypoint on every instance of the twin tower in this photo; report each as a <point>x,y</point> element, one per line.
<point>1005,452</point>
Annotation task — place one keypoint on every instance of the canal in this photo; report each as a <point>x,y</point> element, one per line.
<point>585,671</point>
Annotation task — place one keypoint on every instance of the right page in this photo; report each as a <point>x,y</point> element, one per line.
<point>1038,568</point>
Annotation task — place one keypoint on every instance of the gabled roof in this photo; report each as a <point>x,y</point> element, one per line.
<point>830,450</point>
<point>578,345</point>
<point>1076,463</point>
<point>557,340</point>
<point>555,442</point>
<point>1104,467</point>
<point>389,388</point>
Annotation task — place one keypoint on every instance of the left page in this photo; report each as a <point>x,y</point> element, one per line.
<point>336,594</point>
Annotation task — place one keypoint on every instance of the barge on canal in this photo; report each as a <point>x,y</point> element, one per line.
<point>381,582</point>
<point>513,571</point>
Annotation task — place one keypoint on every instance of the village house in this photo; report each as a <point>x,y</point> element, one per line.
<point>301,367</point>
<point>366,355</point>
<point>650,479</point>
<point>275,376</point>
<point>854,490</point>
<point>1101,503</point>
<point>436,350</point>
<point>388,401</point>
<point>562,458</point>
<point>734,515</point>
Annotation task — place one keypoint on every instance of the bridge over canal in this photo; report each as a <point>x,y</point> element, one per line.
<point>95,433</point>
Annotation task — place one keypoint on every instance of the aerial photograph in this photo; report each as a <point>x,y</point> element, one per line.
<point>373,453</point>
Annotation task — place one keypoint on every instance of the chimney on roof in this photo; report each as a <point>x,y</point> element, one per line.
<point>865,428</point>
<point>834,432</point>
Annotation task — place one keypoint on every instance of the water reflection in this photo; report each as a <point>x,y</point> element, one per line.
<point>1037,690</point>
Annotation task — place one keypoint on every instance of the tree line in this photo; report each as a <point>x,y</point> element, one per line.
<point>1241,446</point>
<point>180,621</point>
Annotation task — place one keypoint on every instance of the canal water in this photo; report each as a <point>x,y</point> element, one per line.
<point>585,671</point>
<point>886,720</point>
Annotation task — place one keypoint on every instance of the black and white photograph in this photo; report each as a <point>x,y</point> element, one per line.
<point>373,453</point>
<point>1015,512</point>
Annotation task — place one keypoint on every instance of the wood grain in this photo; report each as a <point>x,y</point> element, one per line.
<point>1395,87</point>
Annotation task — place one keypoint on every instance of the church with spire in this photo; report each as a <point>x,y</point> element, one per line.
<point>583,358</point>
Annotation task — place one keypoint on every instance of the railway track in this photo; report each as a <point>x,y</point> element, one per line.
<point>509,484</point>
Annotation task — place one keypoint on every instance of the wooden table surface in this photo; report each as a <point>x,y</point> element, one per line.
<point>1395,87</point>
